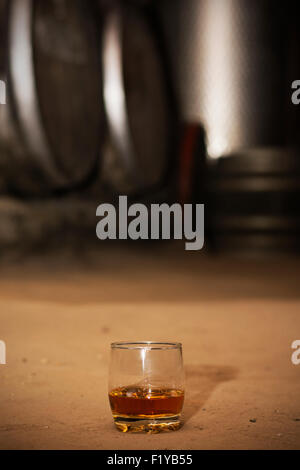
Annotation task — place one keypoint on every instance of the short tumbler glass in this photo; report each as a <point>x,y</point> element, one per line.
<point>146,386</point>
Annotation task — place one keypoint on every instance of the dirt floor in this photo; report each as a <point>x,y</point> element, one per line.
<point>236,318</point>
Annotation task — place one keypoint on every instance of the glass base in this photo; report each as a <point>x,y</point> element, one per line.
<point>147,425</point>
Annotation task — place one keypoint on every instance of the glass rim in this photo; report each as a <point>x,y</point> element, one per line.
<point>154,345</point>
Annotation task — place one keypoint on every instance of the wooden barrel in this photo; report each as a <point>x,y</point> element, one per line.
<point>139,101</point>
<point>254,201</point>
<point>51,125</point>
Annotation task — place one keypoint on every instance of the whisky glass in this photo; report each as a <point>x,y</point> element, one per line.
<point>146,386</point>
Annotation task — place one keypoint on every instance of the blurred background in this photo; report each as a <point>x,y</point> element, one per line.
<point>164,101</point>
<point>184,101</point>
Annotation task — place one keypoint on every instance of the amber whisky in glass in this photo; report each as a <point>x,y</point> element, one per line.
<point>146,386</point>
